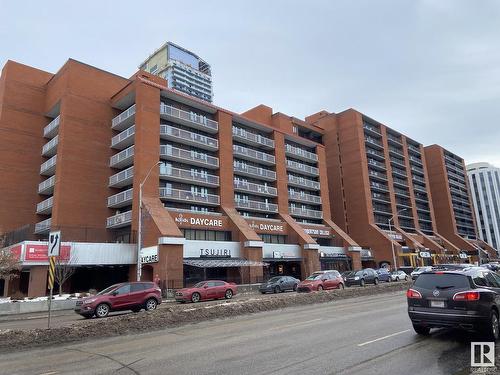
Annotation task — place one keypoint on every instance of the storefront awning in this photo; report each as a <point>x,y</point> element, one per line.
<point>216,263</point>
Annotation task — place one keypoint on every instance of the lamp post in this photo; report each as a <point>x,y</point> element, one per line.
<point>392,241</point>
<point>139,223</point>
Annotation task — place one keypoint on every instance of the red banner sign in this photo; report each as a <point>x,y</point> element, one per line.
<point>39,253</point>
<point>16,251</point>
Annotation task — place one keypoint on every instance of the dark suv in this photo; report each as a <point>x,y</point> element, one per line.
<point>362,277</point>
<point>468,299</point>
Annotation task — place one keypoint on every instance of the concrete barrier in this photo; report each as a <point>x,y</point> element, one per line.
<point>13,308</point>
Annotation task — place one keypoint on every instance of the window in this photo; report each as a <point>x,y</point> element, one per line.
<point>211,284</point>
<point>139,287</point>
<point>491,280</point>
<point>219,283</point>
<point>479,279</point>
<point>123,290</point>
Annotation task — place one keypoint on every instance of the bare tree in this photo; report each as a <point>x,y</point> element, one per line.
<point>8,264</point>
<point>65,268</point>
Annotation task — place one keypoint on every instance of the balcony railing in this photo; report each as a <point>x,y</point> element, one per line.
<point>189,196</point>
<point>373,141</point>
<point>250,154</point>
<point>394,139</point>
<point>122,159</point>
<point>302,168</point>
<point>398,162</point>
<point>190,138</point>
<point>462,193</point>
<point>399,173</point>
<point>377,185</point>
<point>52,128</point>
<point>124,119</point>
<point>189,156</point>
<point>190,119</point>
<point>43,226</point>
<point>124,139</point>
<point>50,148</point>
<point>414,149</point>
<point>47,187</point>
<point>254,188</point>
<point>303,182</point>
<point>300,153</point>
<point>419,188</point>
<point>301,212</point>
<point>371,128</point>
<point>45,207</point>
<point>457,183</point>
<point>49,167</point>
<point>304,197</point>
<point>375,153</point>
<point>416,160</point>
<point>119,220</point>
<point>255,205</point>
<point>417,170</point>
<point>252,138</point>
<point>376,164</point>
<point>381,197</point>
<point>402,193</point>
<point>419,179</point>
<point>378,175</point>
<point>189,176</point>
<point>121,199</point>
<point>252,171</point>
<point>122,178</point>
<point>396,151</point>
<point>400,181</point>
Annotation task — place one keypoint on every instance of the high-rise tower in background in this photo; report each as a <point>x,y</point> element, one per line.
<point>183,70</point>
<point>484,181</point>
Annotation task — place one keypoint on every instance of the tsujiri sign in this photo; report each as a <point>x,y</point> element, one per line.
<point>267,226</point>
<point>211,249</point>
<point>39,252</point>
<point>200,221</point>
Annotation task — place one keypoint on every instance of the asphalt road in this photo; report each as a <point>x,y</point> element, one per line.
<point>366,335</point>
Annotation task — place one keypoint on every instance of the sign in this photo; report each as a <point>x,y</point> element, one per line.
<point>317,232</point>
<point>482,354</point>
<point>211,249</point>
<point>211,252</point>
<point>202,222</point>
<point>331,252</point>
<point>54,243</point>
<point>395,236</point>
<point>149,255</point>
<point>16,251</point>
<point>425,254</point>
<point>267,227</point>
<point>462,256</point>
<point>280,251</point>
<point>39,252</point>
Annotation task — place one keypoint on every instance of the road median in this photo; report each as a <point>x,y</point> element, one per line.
<point>177,315</point>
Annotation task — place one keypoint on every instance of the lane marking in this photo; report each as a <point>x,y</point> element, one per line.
<point>385,337</point>
<point>298,324</point>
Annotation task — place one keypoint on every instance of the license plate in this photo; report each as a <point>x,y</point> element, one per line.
<point>437,304</point>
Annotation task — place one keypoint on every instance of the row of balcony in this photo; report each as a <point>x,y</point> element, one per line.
<point>189,196</point>
<point>122,178</point>
<point>122,159</point>
<point>299,153</point>
<point>399,172</point>
<point>43,226</point>
<point>190,138</point>
<point>414,149</point>
<point>303,182</point>
<point>373,141</point>
<point>190,119</point>
<point>188,175</point>
<point>119,220</point>
<point>374,153</point>
<point>124,119</point>
<point>244,136</point>
<point>52,128</point>
<point>394,139</point>
<point>305,212</point>
<point>379,175</point>
<point>190,156</point>
<point>372,129</point>
<point>253,205</point>
<point>49,149</point>
<point>398,162</point>
<point>376,164</point>
<point>46,187</point>
<point>253,155</point>
<point>253,171</point>
<point>124,139</point>
<point>253,188</point>
<point>48,168</point>
<point>302,168</point>
<point>45,206</point>
<point>396,151</point>
<point>301,196</point>
<point>416,160</point>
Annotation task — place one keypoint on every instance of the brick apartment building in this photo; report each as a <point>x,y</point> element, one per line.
<point>232,196</point>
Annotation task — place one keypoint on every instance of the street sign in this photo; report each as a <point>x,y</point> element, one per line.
<point>462,256</point>
<point>425,254</point>
<point>54,243</point>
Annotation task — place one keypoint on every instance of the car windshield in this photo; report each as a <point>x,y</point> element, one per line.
<point>274,279</point>
<point>200,284</point>
<point>442,281</point>
<point>108,290</point>
<point>359,273</point>
<point>314,277</point>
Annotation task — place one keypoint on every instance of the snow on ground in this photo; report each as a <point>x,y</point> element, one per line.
<point>56,297</point>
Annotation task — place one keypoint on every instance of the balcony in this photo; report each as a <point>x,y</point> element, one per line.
<point>403,203</point>
<point>121,199</point>
<point>382,210</point>
<point>47,187</point>
<point>49,167</point>
<point>119,220</point>
<point>378,175</point>
<point>418,170</point>
<point>462,193</point>
<point>256,172</point>
<point>456,199</point>
<point>423,209</point>
<point>376,164</point>
<point>191,119</point>
<point>421,199</point>
<point>456,163</point>
<point>244,136</point>
<point>398,172</point>
<point>460,185</point>
<point>307,213</point>
<point>45,207</point>
<point>188,138</point>
<point>43,226</point>
<point>303,182</point>
<point>374,153</point>
<point>189,196</point>
<point>419,188</point>
<point>52,128</point>
<point>299,153</point>
<point>416,160</point>
<point>123,178</point>
<point>414,149</point>
<point>396,151</point>
<point>252,188</point>
<point>188,176</point>
<point>49,149</point>
<point>124,139</point>
<point>402,193</point>
<point>122,159</point>
<point>381,198</point>
<point>379,186</point>
<point>394,139</point>
<point>302,168</point>
<point>253,155</point>
<point>189,156</point>
<point>400,163</point>
<point>467,218</point>
<point>301,196</point>
<point>371,129</point>
<point>124,119</point>
<point>458,171</point>
<point>419,179</point>
<point>251,205</point>
<point>374,142</point>
<point>400,182</point>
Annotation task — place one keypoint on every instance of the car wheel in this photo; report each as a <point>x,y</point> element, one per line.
<point>341,286</point>
<point>294,287</point>
<point>151,304</point>
<point>136,309</point>
<point>276,289</point>
<point>102,310</point>
<point>229,294</point>
<point>492,330</point>
<point>262,292</point>
<point>320,288</point>
<point>195,297</point>
<point>375,281</point>
<point>421,330</point>
<point>389,279</point>
<point>362,282</point>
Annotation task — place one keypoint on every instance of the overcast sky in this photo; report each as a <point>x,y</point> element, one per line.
<point>430,69</point>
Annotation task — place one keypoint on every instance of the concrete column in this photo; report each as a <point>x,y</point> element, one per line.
<point>252,274</point>
<point>170,267</point>
<point>310,263</point>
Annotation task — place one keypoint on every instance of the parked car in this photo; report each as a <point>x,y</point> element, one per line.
<point>468,299</point>
<point>205,290</point>
<point>362,277</point>
<point>451,266</point>
<point>492,266</point>
<point>417,271</point>
<point>384,275</point>
<point>321,280</point>
<point>399,275</point>
<point>124,296</point>
<point>278,284</point>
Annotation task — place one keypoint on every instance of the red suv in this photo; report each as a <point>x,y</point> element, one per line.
<point>321,280</point>
<point>213,289</point>
<point>125,296</point>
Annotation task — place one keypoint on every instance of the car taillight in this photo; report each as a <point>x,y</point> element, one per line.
<point>467,296</point>
<point>412,293</point>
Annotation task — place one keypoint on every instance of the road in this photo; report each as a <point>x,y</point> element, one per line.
<point>365,335</point>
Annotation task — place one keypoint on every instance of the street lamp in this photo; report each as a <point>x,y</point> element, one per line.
<point>392,241</point>
<point>139,223</point>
